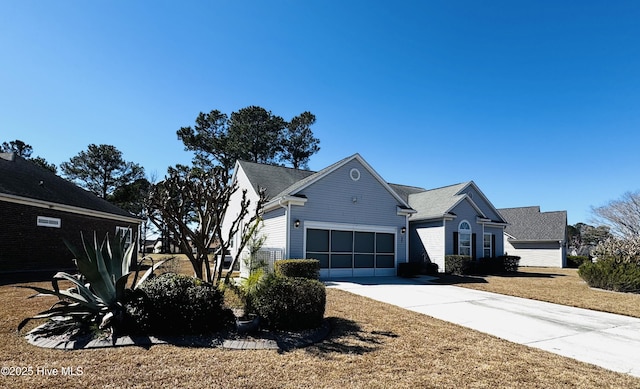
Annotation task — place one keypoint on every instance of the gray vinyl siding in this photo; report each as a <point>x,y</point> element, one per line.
<point>464,211</point>
<point>486,208</point>
<point>498,232</point>
<point>331,200</point>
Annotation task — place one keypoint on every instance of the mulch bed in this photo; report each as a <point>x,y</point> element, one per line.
<point>259,340</point>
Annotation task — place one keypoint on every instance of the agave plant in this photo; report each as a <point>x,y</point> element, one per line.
<point>98,290</point>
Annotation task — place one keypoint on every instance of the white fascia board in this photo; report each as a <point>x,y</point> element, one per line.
<point>474,205</point>
<point>491,223</point>
<point>536,240</point>
<point>284,201</point>
<point>366,165</point>
<point>66,208</point>
<point>404,211</point>
<point>445,217</point>
<point>484,197</point>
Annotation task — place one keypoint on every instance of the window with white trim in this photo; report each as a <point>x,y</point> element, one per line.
<point>126,233</point>
<point>487,245</point>
<point>464,238</point>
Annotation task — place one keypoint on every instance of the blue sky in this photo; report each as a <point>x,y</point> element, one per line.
<point>536,101</point>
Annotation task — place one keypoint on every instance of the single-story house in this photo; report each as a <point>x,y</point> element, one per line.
<point>38,210</point>
<point>356,224</point>
<point>454,220</point>
<point>538,238</point>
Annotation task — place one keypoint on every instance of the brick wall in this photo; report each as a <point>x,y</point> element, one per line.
<point>26,246</point>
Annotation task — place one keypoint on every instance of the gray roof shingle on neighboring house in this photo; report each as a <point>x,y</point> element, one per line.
<point>24,179</point>
<point>529,224</point>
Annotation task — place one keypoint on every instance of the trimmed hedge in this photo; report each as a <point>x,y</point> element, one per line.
<point>507,263</point>
<point>463,264</point>
<point>411,269</point>
<point>607,274</point>
<point>178,304</point>
<point>290,303</point>
<point>305,268</point>
<point>457,264</point>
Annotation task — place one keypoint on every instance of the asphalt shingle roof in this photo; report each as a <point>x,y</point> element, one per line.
<point>23,178</point>
<point>405,191</point>
<point>436,202</point>
<point>274,179</point>
<point>528,223</point>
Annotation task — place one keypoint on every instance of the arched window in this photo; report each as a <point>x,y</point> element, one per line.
<point>464,238</point>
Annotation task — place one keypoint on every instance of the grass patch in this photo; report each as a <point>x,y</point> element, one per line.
<point>372,345</point>
<point>560,286</point>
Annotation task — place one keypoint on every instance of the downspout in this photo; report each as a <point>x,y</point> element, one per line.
<point>406,237</point>
<point>287,210</point>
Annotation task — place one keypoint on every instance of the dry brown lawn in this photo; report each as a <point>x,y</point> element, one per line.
<point>372,345</point>
<point>560,286</point>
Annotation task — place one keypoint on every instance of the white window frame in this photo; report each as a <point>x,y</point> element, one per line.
<point>51,222</point>
<point>128,231</point>
<point>484,245</point>
<point>464,249</point>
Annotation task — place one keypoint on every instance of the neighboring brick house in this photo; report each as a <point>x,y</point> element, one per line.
<point>38,210</point>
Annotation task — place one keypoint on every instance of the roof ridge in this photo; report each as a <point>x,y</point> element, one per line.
<point>449,186</point>
<point>275,166</point>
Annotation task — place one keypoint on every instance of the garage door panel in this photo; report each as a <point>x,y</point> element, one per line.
<point>352,253</point>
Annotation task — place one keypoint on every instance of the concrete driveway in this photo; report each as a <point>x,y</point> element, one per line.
<point>603,339</point>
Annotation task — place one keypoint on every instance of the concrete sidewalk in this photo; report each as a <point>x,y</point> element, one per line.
<point>603,339</point>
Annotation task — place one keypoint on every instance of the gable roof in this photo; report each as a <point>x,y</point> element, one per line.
<point>281,181</point>
<point>405,191</point>
<point>440,202</point>
<point>25,182</point>
<point>529,224</point>
<point>436,202</point>
<point>274,179</point>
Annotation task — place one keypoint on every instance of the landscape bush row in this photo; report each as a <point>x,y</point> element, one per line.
<point>616,265</point>
<point>466,265</point>
<point>292,298</point>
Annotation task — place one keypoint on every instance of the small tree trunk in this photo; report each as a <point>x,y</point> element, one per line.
<point>207,268</point>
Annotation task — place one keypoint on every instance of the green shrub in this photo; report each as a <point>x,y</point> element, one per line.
<point>409,269</point>
<point>179,304</point>
<point>412,269</point>
<point>137,314</point>
<point>508,263</point>
<point>305,268</point>
<point>574,261</point>
<point>430,268</point>
<point>457,264</point>
<point>290,303</point>
<point>607,274</point>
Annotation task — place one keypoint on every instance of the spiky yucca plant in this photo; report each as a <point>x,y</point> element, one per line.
<point>98,291</point>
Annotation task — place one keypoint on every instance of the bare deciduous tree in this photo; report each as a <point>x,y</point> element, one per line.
<point>622,215</point>
<point>192,203</point>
